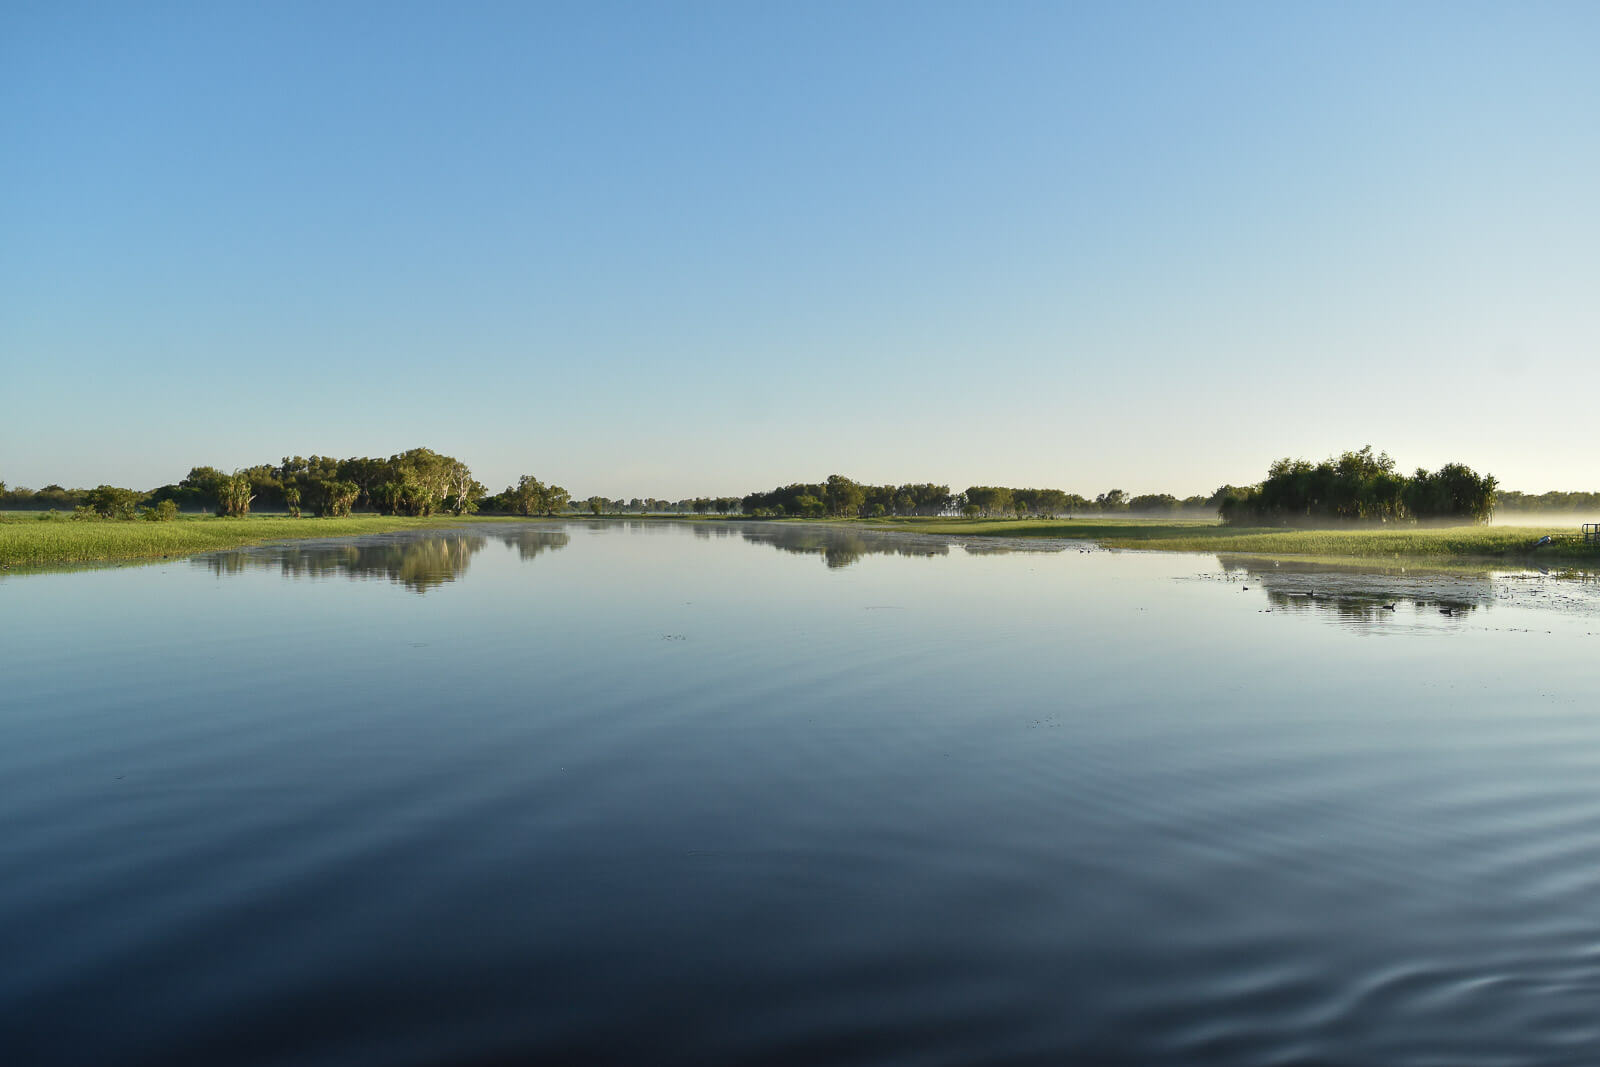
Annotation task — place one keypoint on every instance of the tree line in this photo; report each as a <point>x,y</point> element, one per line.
<point>842,497</point>
<point>418,481</point>
<point>1350,486</point>
<point>1360,486</point>
<point>1588,503</point>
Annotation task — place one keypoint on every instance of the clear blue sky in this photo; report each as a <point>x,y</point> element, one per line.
<point>698,248</point>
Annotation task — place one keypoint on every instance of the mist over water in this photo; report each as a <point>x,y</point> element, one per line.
<point>766,793</point>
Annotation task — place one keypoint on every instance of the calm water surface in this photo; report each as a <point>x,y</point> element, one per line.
<point>770,794</point>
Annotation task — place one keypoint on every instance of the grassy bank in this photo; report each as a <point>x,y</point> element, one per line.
<point>27,542</point>
<point>1388,542</point>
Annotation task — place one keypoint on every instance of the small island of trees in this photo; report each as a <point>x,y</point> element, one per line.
<point>1360,486</point>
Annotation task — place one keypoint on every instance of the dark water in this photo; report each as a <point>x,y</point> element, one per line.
<point>729,795</point>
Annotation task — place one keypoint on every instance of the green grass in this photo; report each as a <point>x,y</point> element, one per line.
<point>25,541</point>
<point>1388,542</point>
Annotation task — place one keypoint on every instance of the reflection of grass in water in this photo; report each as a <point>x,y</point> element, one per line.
<point>36,543</point>
<point>1441,543</point>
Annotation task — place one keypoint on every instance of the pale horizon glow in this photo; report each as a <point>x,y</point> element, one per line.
<point>711,248</point>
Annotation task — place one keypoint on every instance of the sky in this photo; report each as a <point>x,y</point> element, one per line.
<point>687,249</point>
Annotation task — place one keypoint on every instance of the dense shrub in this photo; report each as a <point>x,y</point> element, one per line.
<point>109,502</point>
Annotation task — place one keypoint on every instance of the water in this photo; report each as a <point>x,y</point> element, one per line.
<point>766,794</point>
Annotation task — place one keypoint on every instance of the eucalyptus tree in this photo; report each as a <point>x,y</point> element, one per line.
<point>1114,500</point>
<point>842,496</point>
<point>990,500</point>
<point>422,480</point>
<point>1051,502</point>
<point>530,496</point>
<point>465,492</point>
<point>333,498</point>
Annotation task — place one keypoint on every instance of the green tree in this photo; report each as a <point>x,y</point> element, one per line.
<point>234,495</point>
<point>1052,502</point>
<point>1154,503</point>
<point>530,496</point>
<point>526,497</point>
<point>421,481</point>
<point>332,498</point>
<point>205,486</point>
<point>1359,486</point>
<point>464,492</point>
<point>1115,500</point>
<point>109,502</point>
<point>365,473</point>
<point>990,499</point>
<point>842,496</point>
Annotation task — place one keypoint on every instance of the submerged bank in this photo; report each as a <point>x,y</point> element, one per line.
<point>1466,543</point>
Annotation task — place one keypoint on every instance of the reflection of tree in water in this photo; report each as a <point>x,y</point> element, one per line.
<point>1359,593</point>
<point>529,543</point>
<point>840,548</point>
<point>419,563</point>
<point>706,531</point>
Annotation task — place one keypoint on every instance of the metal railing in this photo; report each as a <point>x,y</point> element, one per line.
<point>1591,533</point>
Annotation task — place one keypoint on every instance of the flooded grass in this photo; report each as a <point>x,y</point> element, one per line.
<point>1389,542</point>
<point>32,542</point>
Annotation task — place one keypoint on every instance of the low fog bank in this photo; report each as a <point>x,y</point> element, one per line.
<point>1556,520</point>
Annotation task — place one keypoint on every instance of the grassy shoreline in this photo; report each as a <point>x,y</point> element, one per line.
<point>1507,543</point>
<point>27,542</point>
